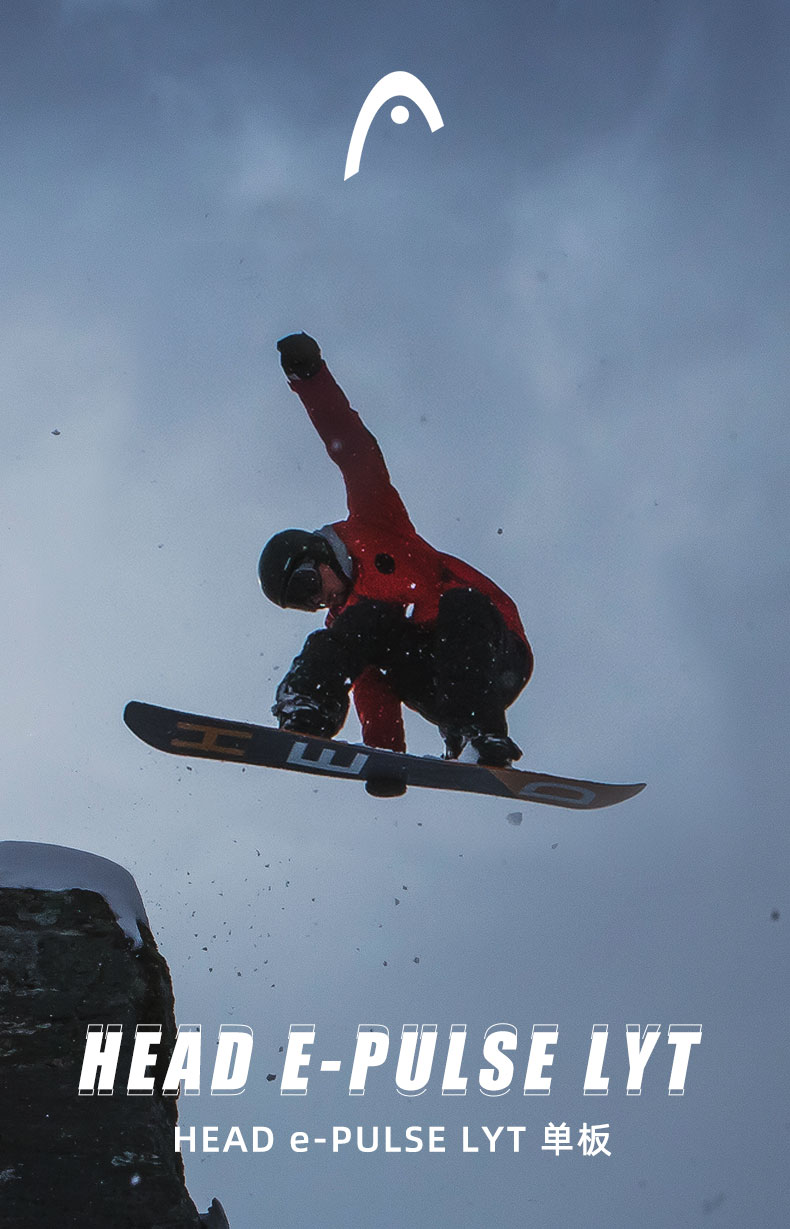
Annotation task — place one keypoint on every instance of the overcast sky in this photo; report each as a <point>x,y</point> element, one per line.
<point>565,317</point>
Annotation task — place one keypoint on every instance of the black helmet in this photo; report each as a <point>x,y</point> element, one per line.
<point>288,567</point>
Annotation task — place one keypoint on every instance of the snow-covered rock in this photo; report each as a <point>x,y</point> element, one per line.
<point>57,868</point>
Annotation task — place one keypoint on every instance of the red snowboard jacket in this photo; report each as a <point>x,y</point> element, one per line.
<point>388,560</point>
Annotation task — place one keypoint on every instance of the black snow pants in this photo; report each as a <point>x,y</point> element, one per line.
<point>460,673</point>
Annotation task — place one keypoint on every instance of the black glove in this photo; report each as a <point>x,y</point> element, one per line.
<point>300,356</point>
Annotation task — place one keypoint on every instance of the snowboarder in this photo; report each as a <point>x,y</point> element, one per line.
<point>405,624</point>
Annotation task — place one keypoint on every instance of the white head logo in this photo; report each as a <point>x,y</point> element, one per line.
<point>391,86</point>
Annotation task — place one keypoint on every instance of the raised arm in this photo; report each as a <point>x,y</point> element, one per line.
<point>369,490</point>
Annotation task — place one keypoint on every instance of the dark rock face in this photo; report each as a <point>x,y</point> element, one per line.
<point>91,1162</point>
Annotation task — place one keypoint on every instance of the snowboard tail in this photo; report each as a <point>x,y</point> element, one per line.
<point>240,742</point>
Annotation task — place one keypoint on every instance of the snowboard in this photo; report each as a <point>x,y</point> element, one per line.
<point>384,773</point>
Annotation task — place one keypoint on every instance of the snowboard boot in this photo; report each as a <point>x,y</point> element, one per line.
<point>473,747</point>
<point>303,714</point>
<point>308,721</point>
<point>495,750</point>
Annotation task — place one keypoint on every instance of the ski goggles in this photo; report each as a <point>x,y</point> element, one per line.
<point>303,587</point>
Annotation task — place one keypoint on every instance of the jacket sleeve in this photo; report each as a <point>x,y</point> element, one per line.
<point>379,712</point>
<point>369,490</point>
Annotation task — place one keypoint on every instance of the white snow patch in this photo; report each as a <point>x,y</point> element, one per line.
<point>56,868</point>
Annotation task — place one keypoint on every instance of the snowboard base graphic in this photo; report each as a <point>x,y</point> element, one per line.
<point>383,772</point>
